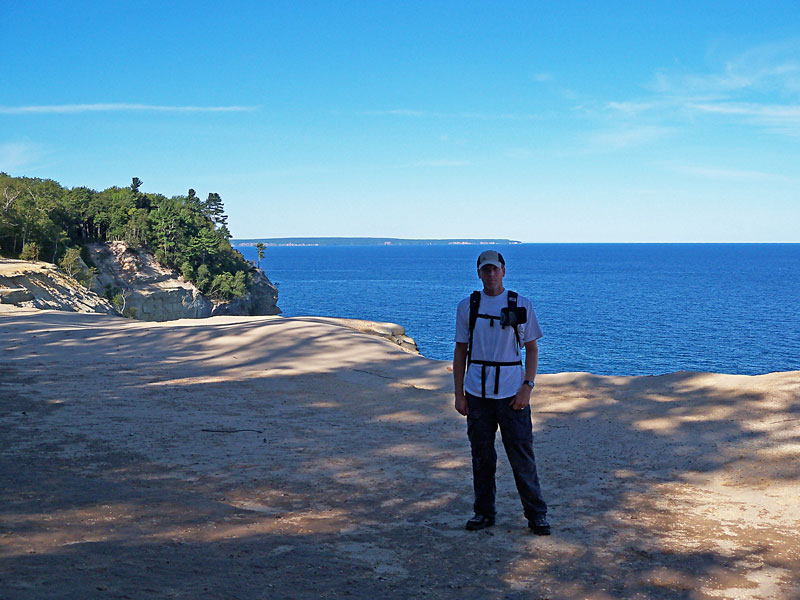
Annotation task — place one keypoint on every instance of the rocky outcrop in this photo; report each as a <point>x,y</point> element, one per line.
<point>15,295</point>
<point>34,284</point>
<point>391,331</point>
<point>155,293</point>
<point>151,292</point>
<point>147,290</point>
<point>261,299</point>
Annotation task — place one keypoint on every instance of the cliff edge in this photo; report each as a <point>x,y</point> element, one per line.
<point>35,284</point>
<point>145,290</point>
<point>152,292</point>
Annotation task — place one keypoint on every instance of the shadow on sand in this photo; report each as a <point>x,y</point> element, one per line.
<point>283,458</point>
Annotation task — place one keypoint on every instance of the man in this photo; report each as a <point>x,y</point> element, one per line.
<point>492,387</point>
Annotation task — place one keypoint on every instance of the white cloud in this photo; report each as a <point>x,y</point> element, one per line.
<point>442,163</point>
<point>771,67</point>
<point>721,174</point>
<point>634,108</point>
<point>628,137</point>
<point>122,107</point>
<point>764,111</point>
<point>15,156</point>
<point>403,112</point>
<point>737,90</point>
<point>783,119</point>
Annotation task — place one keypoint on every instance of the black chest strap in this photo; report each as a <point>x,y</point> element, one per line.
<point>496,364</point>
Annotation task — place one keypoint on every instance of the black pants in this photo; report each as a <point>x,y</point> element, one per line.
<point>517,433</point>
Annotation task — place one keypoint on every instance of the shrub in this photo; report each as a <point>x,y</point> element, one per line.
<point>86,277</point>
<point>187,270</point>
<point>30,251</point>
<point>70,262</point>
<point>203,278</point>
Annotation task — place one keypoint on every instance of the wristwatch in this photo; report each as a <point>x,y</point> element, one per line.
<point>529,383</point>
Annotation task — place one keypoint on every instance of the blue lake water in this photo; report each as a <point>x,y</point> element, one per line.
<point>621,309</point>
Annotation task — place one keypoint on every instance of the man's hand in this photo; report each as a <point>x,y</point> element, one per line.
<point>522,399</point>
<point>459,369</point>
<point>461,404</point>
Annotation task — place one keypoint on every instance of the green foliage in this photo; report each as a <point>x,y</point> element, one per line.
<point>228,286</point>
<point>261,252</point>
<point>202,278</point>
<point>187,270</point>
<point>118,301</point>
<point>86,277</point>
<point>70,263</point>
<point>30,251</point>
<point>119,298</point>
<point>39,217</point>
<point>109,292</point>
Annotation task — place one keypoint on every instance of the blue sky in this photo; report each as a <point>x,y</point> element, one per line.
<point>542,122</point>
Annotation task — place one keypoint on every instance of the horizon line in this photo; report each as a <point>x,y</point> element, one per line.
<point>497,241</point>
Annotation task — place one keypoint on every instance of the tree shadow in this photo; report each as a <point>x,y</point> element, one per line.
<point>283,458</point>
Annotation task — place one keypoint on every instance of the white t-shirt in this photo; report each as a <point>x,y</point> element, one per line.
<point>490,342</point>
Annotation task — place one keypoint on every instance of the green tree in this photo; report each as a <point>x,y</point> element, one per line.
<point>193,201</point>
<point>239,287</point>
<point>165,228</point>
<point>10,192</point>
<point>187,270</point>
<point>202,278</point>
<point>214,210</point>
<point>261,248</point>
<point>142,200</point>
<point>30,251</point>
<point>47,220</point>
<point>38,218</point>
<point>204,244</point>
<point>87,277</point>
<point>70,263</point>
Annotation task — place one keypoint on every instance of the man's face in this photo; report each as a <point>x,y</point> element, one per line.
<point>491,276</point>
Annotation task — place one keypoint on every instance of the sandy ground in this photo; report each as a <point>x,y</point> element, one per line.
<point>263,457</point>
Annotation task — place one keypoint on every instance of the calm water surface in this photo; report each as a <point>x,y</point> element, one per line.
<point>623,309</point>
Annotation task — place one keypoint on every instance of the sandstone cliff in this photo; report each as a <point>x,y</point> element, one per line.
<point>391,331</point>
<point>155,293</point>
<point>43,285</point>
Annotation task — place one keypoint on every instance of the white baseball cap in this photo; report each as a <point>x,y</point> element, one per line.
<point>491,257</point>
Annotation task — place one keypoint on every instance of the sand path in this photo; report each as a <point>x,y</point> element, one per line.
<point>264,457</point>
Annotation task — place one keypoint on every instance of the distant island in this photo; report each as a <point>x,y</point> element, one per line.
<point>367,241</point>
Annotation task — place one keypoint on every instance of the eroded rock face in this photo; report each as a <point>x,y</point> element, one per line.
<point>262,299</point>
<point>35,284</point>
<point>155,293</point>
<point>151,292</point>
<point>391,331</point>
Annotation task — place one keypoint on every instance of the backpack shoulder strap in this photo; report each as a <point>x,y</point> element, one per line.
<point>474,305</point>
<point>513,299</point>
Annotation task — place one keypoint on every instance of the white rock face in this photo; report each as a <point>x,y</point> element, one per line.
<point>15,295</point>
<point>34,284</point>
<point>152,292</point>
<point>262,299</point>
<point>155,293</point>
